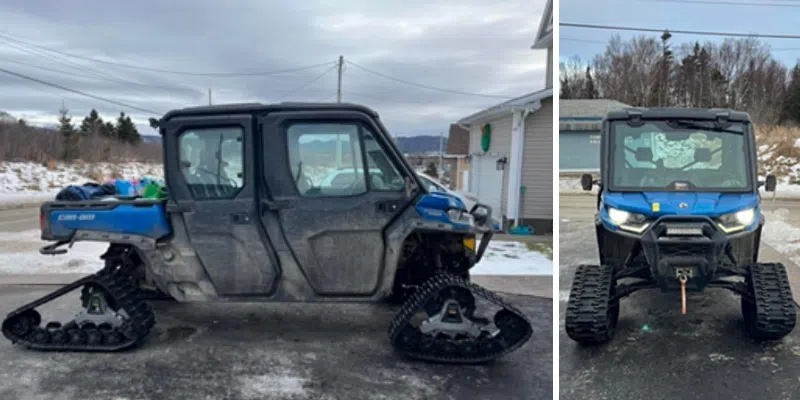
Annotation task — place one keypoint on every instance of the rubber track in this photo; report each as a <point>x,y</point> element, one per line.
<point>452,352</point>
<point>132,331</point>
<point>586,319</point>
<point>775,309</point>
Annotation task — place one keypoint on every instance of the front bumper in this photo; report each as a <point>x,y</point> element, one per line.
<point>673,245</point>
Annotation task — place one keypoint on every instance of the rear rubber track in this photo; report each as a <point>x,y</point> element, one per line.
<point>515,329</point>
<point>772,314</point>
<point>22,326</point>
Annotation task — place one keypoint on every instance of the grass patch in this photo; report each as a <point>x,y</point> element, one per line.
<point>544,248</point>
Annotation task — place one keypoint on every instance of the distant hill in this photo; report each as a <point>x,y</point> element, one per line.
<point>151,139</point>
<point>420,144</point>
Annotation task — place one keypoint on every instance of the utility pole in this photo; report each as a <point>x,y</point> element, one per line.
<point>441,156</point>
<point>209,96</point>
<point>339,86</point>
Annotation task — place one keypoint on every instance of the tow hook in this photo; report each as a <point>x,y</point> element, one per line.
<point>683,278</point>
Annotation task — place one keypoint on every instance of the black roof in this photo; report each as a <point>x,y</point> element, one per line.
<point>678,113</point>
<point>248,108</point>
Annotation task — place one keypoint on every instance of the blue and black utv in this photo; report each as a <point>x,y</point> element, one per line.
<point>289,202</point>
<point>678,209</point>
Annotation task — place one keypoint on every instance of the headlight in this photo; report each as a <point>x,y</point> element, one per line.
<point>737,221</point>
<point>627,220</point>
<point>460,216</point>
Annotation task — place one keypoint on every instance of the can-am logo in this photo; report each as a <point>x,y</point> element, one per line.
<point>76,217</point>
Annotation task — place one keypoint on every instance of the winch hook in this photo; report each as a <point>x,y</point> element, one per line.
<point>683,279</point>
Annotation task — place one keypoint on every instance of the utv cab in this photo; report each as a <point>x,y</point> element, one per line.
<point>678,209</point>
<point>288,202</point>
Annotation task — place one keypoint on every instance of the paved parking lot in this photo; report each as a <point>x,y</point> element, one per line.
<point>660,354</point>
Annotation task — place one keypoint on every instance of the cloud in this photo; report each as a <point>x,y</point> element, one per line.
<point>469,46</point>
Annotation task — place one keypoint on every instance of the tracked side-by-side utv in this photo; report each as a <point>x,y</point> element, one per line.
<point>678,210</point>
<point>291,202</point>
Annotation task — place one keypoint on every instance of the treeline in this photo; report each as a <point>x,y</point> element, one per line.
<point>124,131</point>
<point>740,74</point>
<point>94,140</point>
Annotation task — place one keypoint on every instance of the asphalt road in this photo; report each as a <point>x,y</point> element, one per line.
<point>265,351</point>
<point>660,354</point>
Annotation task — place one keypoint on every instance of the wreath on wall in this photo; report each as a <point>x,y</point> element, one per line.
<point>486,137</point>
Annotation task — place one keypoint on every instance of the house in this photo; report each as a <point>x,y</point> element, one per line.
<point>511,149</point>
<point>579,123</point>
<point>458,146</point>
<point>544,40</point>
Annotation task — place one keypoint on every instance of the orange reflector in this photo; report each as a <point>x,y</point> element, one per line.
<point>469,243</point>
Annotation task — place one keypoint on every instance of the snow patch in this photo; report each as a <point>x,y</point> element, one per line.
<point>83,257</point>
<point>28,178</point>
<point>258,386</point>
<point>512,258</point>
<point>781,235</point>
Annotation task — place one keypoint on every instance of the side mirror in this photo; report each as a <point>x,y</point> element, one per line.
<point>771,183</point>
<point>587,181</point>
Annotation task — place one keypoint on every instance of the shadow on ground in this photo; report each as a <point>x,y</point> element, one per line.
<point>263,351</point>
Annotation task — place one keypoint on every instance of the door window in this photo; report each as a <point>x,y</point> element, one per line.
<point>212,162</point>
<point>383,175</point>
<point>326,159</point>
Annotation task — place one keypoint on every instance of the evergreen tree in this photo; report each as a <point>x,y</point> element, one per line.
<point>792,101</point>
<point>92,124</point>
<point>108,130</point>
<point>590,91</point>
<point>69,134</point>
<point>22,122</point>
<point>126,130</point>
<point>566,89</point>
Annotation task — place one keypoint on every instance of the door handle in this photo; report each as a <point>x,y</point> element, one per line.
<point>389,206</point>
<point>240,218</point>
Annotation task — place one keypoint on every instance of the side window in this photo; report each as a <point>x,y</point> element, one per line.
<point>326,159</point>
<point>384,177</point>
<point>212,162</point>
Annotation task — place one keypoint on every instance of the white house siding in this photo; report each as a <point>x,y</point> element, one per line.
<point>537,163</point>
<point>500,145</point>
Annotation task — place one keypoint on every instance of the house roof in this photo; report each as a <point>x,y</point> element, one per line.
<point>509,106</point>
<point>458,140</point>
<point>585,114</point>
<point>544,35</point>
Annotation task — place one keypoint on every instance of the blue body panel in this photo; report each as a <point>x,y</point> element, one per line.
<point>433,207</point>
<point>145,220</point>
<point>712,205</point>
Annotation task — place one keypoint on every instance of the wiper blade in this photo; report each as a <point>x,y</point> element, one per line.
<point>713,126</point>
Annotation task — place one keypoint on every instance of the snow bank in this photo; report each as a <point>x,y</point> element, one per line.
<point>84,257</point>
<point>23,183</point>
<point>512,258</point>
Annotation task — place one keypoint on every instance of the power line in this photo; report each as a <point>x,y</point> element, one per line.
<point>166,71</point>
<point>76,74</point>
<point>30,78</point>
<point>581,40</point>
<point>361,67</point>
<point>708,33</point>
<point>724,3</point>
<point>307,84</point>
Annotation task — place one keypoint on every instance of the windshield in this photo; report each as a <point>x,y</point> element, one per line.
<point>678,156</point>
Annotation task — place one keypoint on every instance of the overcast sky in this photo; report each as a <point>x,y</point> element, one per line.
<point>472,46</point>
<point>768,17</point>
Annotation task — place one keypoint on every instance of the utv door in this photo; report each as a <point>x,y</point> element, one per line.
<point>210,174</point>
<point>335,187</point>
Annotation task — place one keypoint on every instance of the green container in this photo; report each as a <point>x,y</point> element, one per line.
<point>153,190</point>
